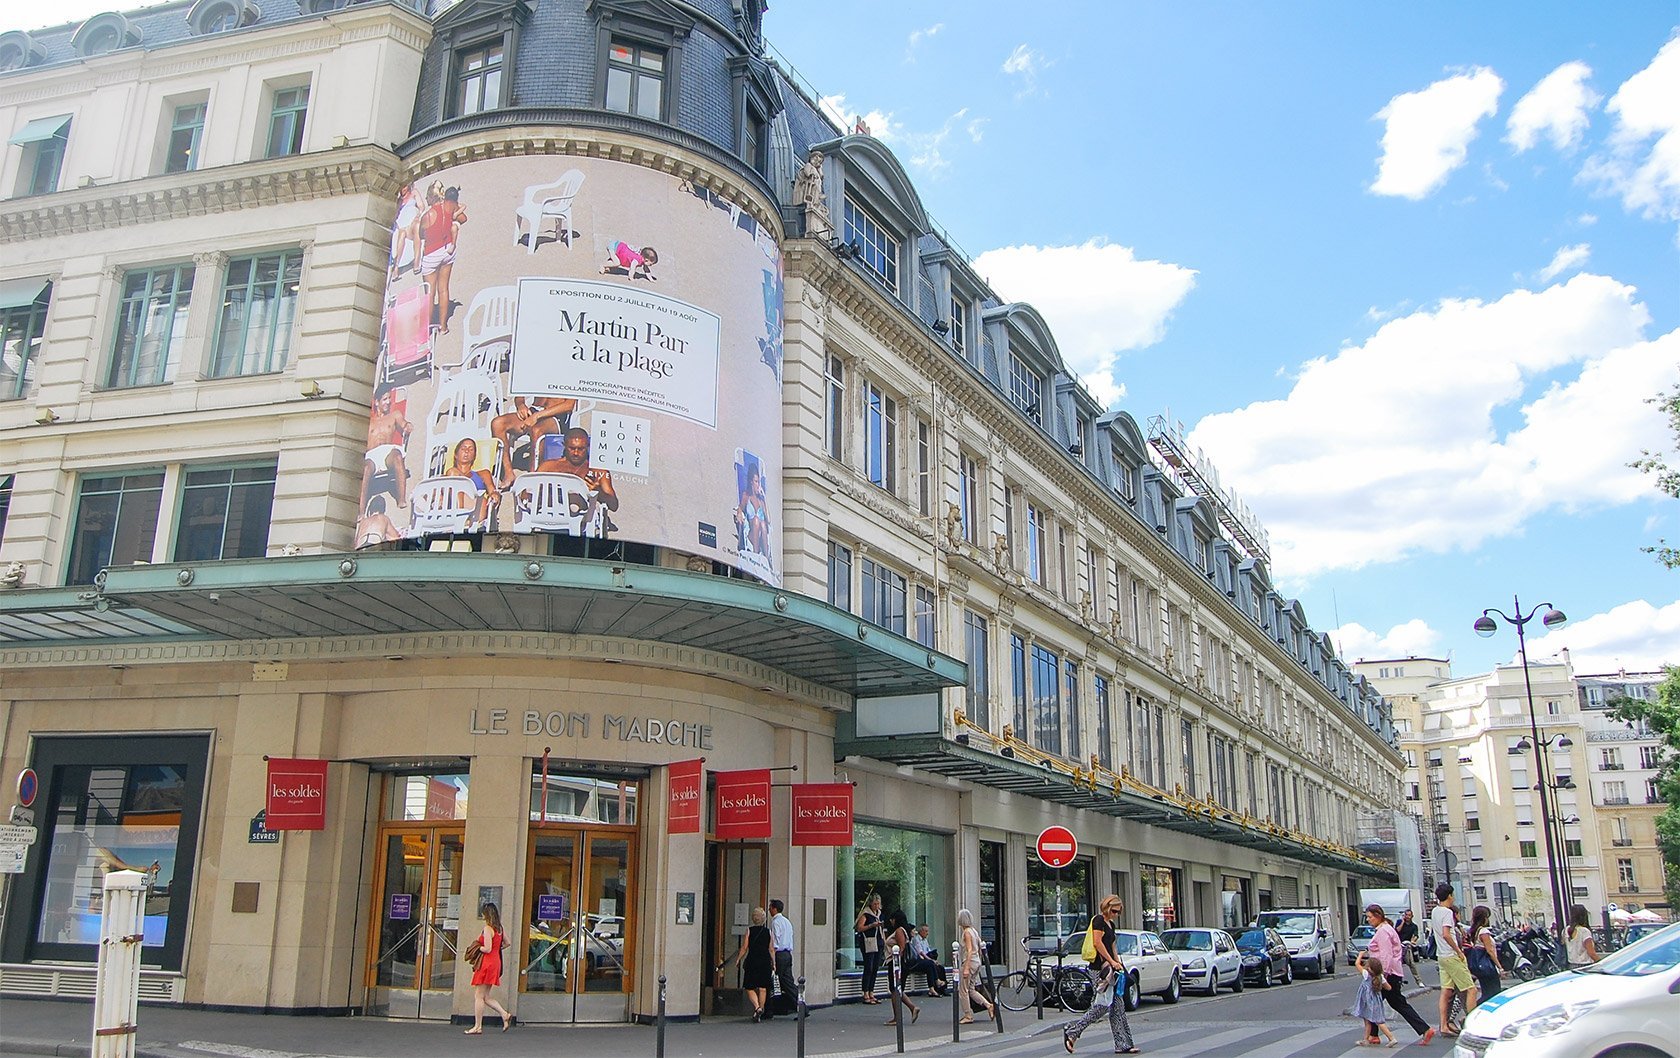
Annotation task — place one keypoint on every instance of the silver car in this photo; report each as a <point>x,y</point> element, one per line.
<point>1207,957</point>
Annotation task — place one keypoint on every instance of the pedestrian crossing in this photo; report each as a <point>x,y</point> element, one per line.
<point>1317,1039</point>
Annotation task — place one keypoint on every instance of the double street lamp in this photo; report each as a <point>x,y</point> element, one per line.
<point>1551,618</point>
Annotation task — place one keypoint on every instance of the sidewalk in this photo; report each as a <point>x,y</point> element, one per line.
<point>64,1027</point>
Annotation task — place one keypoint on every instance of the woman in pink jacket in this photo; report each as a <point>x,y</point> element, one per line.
<point>1385,945</point>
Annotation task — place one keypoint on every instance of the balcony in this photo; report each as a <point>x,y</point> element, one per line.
<point>1627,888</point>
<point>1653,799</point>
<point>1614,801</point>
<point>1610,766</point>
<point>1621,843</point>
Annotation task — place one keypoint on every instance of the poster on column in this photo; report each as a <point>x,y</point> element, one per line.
<point>583,347</point>
<point>743,805</point>
<point>683,816</point>
<point>822,813</point>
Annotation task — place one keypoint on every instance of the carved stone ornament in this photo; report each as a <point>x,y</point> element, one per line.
<point>808,192</point>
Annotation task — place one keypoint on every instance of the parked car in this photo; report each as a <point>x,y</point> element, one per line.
<point>1620,1006</point>
<point>1265,956</point>
<point>1150,967</point>
<point>1638,931</point>
<point>1359,940</point>
<point>1206,956</point>
<point>1307,932</point>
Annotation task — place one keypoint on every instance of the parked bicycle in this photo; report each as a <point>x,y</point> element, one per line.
<point>1068,986</point>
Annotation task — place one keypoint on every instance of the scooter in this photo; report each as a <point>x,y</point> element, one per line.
<point>1514,959</point>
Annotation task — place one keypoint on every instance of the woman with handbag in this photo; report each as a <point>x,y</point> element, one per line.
<point>1483,954</point>
<point>968,972</point>
<point>899,938</point>
<point>1110,974</point>
<point>485,955</point>
<point>870,940</point>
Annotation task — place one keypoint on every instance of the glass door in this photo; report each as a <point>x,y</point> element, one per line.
<point>417,923</point>
<point>737,880</point>
<point>580,941</point>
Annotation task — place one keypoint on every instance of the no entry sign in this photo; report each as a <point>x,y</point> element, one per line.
<point>1057,846</point>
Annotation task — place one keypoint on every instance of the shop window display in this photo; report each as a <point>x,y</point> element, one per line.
<point>910,869</point>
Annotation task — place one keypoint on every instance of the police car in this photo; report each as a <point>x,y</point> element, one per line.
<point>1626,1006</point>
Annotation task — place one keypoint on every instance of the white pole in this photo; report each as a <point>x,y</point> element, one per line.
<point>116,995</point>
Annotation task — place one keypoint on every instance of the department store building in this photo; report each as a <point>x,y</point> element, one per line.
<point>506,402</point>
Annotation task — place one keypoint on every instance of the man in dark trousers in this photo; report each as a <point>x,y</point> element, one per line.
<point>781,940</point>
<point>1408,937</point>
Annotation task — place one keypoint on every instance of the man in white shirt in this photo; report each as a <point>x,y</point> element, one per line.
<point>922,958</point>
<point>781,940</point>
<point>1449,955</point>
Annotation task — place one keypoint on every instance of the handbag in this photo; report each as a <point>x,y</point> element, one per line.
<point>1088,950</point>
<point>1480,962</point>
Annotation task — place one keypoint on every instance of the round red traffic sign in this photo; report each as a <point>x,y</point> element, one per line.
<point>27,787</point>
<point>1057,846</point>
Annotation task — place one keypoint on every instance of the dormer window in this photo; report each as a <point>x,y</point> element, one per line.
<point>18,50</point>
<point>478,80</point>
<point>875,247</point>
<point>959,323</point>
<point>636,79</point>
<point>1026,388</point>
<point>105,33</point>
<point>220,16</point>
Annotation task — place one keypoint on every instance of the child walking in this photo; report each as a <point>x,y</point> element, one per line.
<point>1368,1007</point>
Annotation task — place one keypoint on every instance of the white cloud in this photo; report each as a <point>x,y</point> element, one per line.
<point>880,122</point>
<point>917,36</point>
<point>1556,108</point>
<point>1026,64</point>
<point>1641,160</point>
<point>1428,133</point>
<point>977,128</point>
<point>1098,298</point>
<point>1635,636</point>
<point>1413,639</point>
<point>1391,448</point>
<point>1567,259</point>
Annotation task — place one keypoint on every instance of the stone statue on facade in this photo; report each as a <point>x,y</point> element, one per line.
<point>808,192</point>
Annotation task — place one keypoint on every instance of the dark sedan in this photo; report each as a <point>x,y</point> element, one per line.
<point>1265,956</point>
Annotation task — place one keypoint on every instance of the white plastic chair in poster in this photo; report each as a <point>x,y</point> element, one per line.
<point>444,505</point>
<point>544,202</point>
<point>556,503</point>
<point>466,402</point>
<point>489,330</point>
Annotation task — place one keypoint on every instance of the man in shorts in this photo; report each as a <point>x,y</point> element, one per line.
<point>1455,972</point>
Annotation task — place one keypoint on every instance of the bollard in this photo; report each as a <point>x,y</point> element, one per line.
<point>659,1022</point>
<point>1038,984</point>
<point>801,1043</point>
<point>116,990</point>
<point>991,987</point>
<point>895,987</point>
<point>959,993</point>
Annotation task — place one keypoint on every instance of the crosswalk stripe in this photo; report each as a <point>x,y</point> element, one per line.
<point>1302,1041</point>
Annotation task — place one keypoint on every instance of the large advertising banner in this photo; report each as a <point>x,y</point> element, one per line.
<point>583,347</point>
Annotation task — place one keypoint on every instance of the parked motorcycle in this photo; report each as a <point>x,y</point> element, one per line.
<point>1511,955</point>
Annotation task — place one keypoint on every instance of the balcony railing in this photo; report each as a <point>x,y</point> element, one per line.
<point>1627,888</point>
<point>1653,799</point>
<point>1615,800</point>
<point>1609,766</point>
<point>1621,843</point>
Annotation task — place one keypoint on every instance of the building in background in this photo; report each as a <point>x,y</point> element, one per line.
<point>1623,758</point>
<point>1476,790</point>
<point>504,405</point>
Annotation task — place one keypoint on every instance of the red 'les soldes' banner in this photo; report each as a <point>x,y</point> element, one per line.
<point>743,804</point>
<point>684,814</point>
<point>297,794</point>
<point>822,813</point>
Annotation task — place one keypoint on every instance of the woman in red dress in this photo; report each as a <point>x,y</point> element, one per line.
<point>489,972</point>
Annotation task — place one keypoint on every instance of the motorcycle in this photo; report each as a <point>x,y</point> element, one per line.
<point>1515,961</point>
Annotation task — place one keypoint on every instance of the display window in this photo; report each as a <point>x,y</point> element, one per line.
<point>909,869</point>
<point>1160,903</point>
<point>111,804</point>
<point>1059,900</point>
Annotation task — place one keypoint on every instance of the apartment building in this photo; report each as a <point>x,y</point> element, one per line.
<point>1623,758</point>
<point>1471,775</point>
<point>494,410</point>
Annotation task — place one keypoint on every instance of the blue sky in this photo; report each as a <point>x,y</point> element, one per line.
<point>1408,272</point>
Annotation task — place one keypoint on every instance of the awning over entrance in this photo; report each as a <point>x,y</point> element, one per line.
<point>938,755</point>
<point>393,592</point>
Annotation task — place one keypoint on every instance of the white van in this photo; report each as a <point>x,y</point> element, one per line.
<point>1306,930</point>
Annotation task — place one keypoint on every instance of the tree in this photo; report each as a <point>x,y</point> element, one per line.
<point>1668,477</point>
<point>1662,715</point>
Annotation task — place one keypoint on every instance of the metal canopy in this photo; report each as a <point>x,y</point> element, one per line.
<point>937,755</point>
<point>398,592</point>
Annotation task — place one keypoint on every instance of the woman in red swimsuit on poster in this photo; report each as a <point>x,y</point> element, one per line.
<point>488,973</point>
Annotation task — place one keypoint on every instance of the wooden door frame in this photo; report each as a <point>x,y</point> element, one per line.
<point>584,832</point>
<point>376,892</point>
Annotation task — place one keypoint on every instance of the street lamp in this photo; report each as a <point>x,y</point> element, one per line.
<point>1551,618</point>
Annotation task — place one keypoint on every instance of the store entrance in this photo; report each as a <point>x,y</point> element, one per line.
<point>576,964</point>
<point>417,921</point>
<point>737,880</point>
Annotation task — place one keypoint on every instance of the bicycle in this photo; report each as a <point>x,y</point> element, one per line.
<point>1068,987</point>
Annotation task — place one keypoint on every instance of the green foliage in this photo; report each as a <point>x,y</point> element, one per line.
<point>1668,477</point>
<point>1662,715</point>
